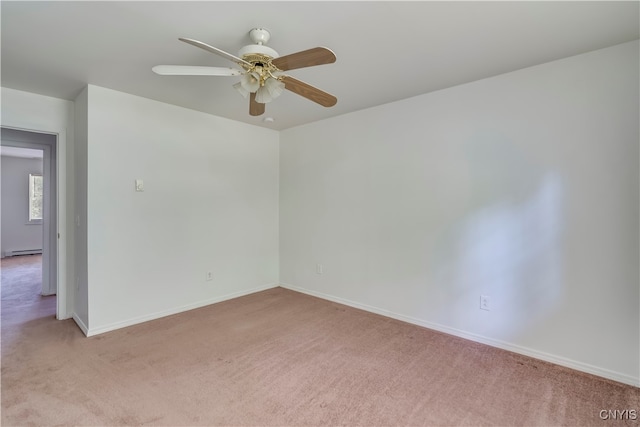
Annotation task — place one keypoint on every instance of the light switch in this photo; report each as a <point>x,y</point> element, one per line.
<point>139,185</point>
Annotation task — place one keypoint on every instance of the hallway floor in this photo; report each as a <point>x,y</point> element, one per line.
<point>22,301</point>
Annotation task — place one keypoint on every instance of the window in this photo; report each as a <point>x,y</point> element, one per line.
<point>35,198</point>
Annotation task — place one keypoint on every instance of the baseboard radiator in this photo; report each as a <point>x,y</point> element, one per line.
<point>22,252</point>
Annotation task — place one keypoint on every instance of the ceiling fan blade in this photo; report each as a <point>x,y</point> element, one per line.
<point>193,70</point>
<point>306,58</point>
<point>255,108</point>
<point>312,93</point>
<point>215,50</point>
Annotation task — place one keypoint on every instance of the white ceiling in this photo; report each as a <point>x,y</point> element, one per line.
<point>386,51</point>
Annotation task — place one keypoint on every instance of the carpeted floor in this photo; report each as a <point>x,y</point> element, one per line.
<point>276,358</point>
<point>21,291</point>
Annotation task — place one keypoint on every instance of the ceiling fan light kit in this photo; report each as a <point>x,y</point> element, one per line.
<point>241,90</point>
<point>262,70</point>
<point>251,81</point>
<point>269,90</point>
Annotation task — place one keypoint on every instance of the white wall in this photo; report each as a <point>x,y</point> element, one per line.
<point>523,187</point>
<point>210,204</point>
<point>28,111</point>
<point>17,232</point>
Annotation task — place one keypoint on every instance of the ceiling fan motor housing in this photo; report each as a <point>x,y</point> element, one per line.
<point>257,49</point>
<point>259,36</point>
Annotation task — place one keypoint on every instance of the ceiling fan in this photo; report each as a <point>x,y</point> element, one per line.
<point>262,70</point>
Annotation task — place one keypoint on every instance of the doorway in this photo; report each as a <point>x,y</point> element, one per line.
<point>24,145</point>
<point>21,298</point>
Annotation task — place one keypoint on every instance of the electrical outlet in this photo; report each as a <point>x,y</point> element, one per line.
<point>209,275</point>
<point>485,302</point>
<point>319,268</point>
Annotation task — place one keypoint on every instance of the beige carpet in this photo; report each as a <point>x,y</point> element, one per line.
<point>276,358</point>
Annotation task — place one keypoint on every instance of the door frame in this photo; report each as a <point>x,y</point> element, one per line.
<point>52,261</point>
<point>49,230</point>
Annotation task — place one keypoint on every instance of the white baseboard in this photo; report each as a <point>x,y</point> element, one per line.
<point>558,360</point>
<point>176,310</point>
<point>80,324</point>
